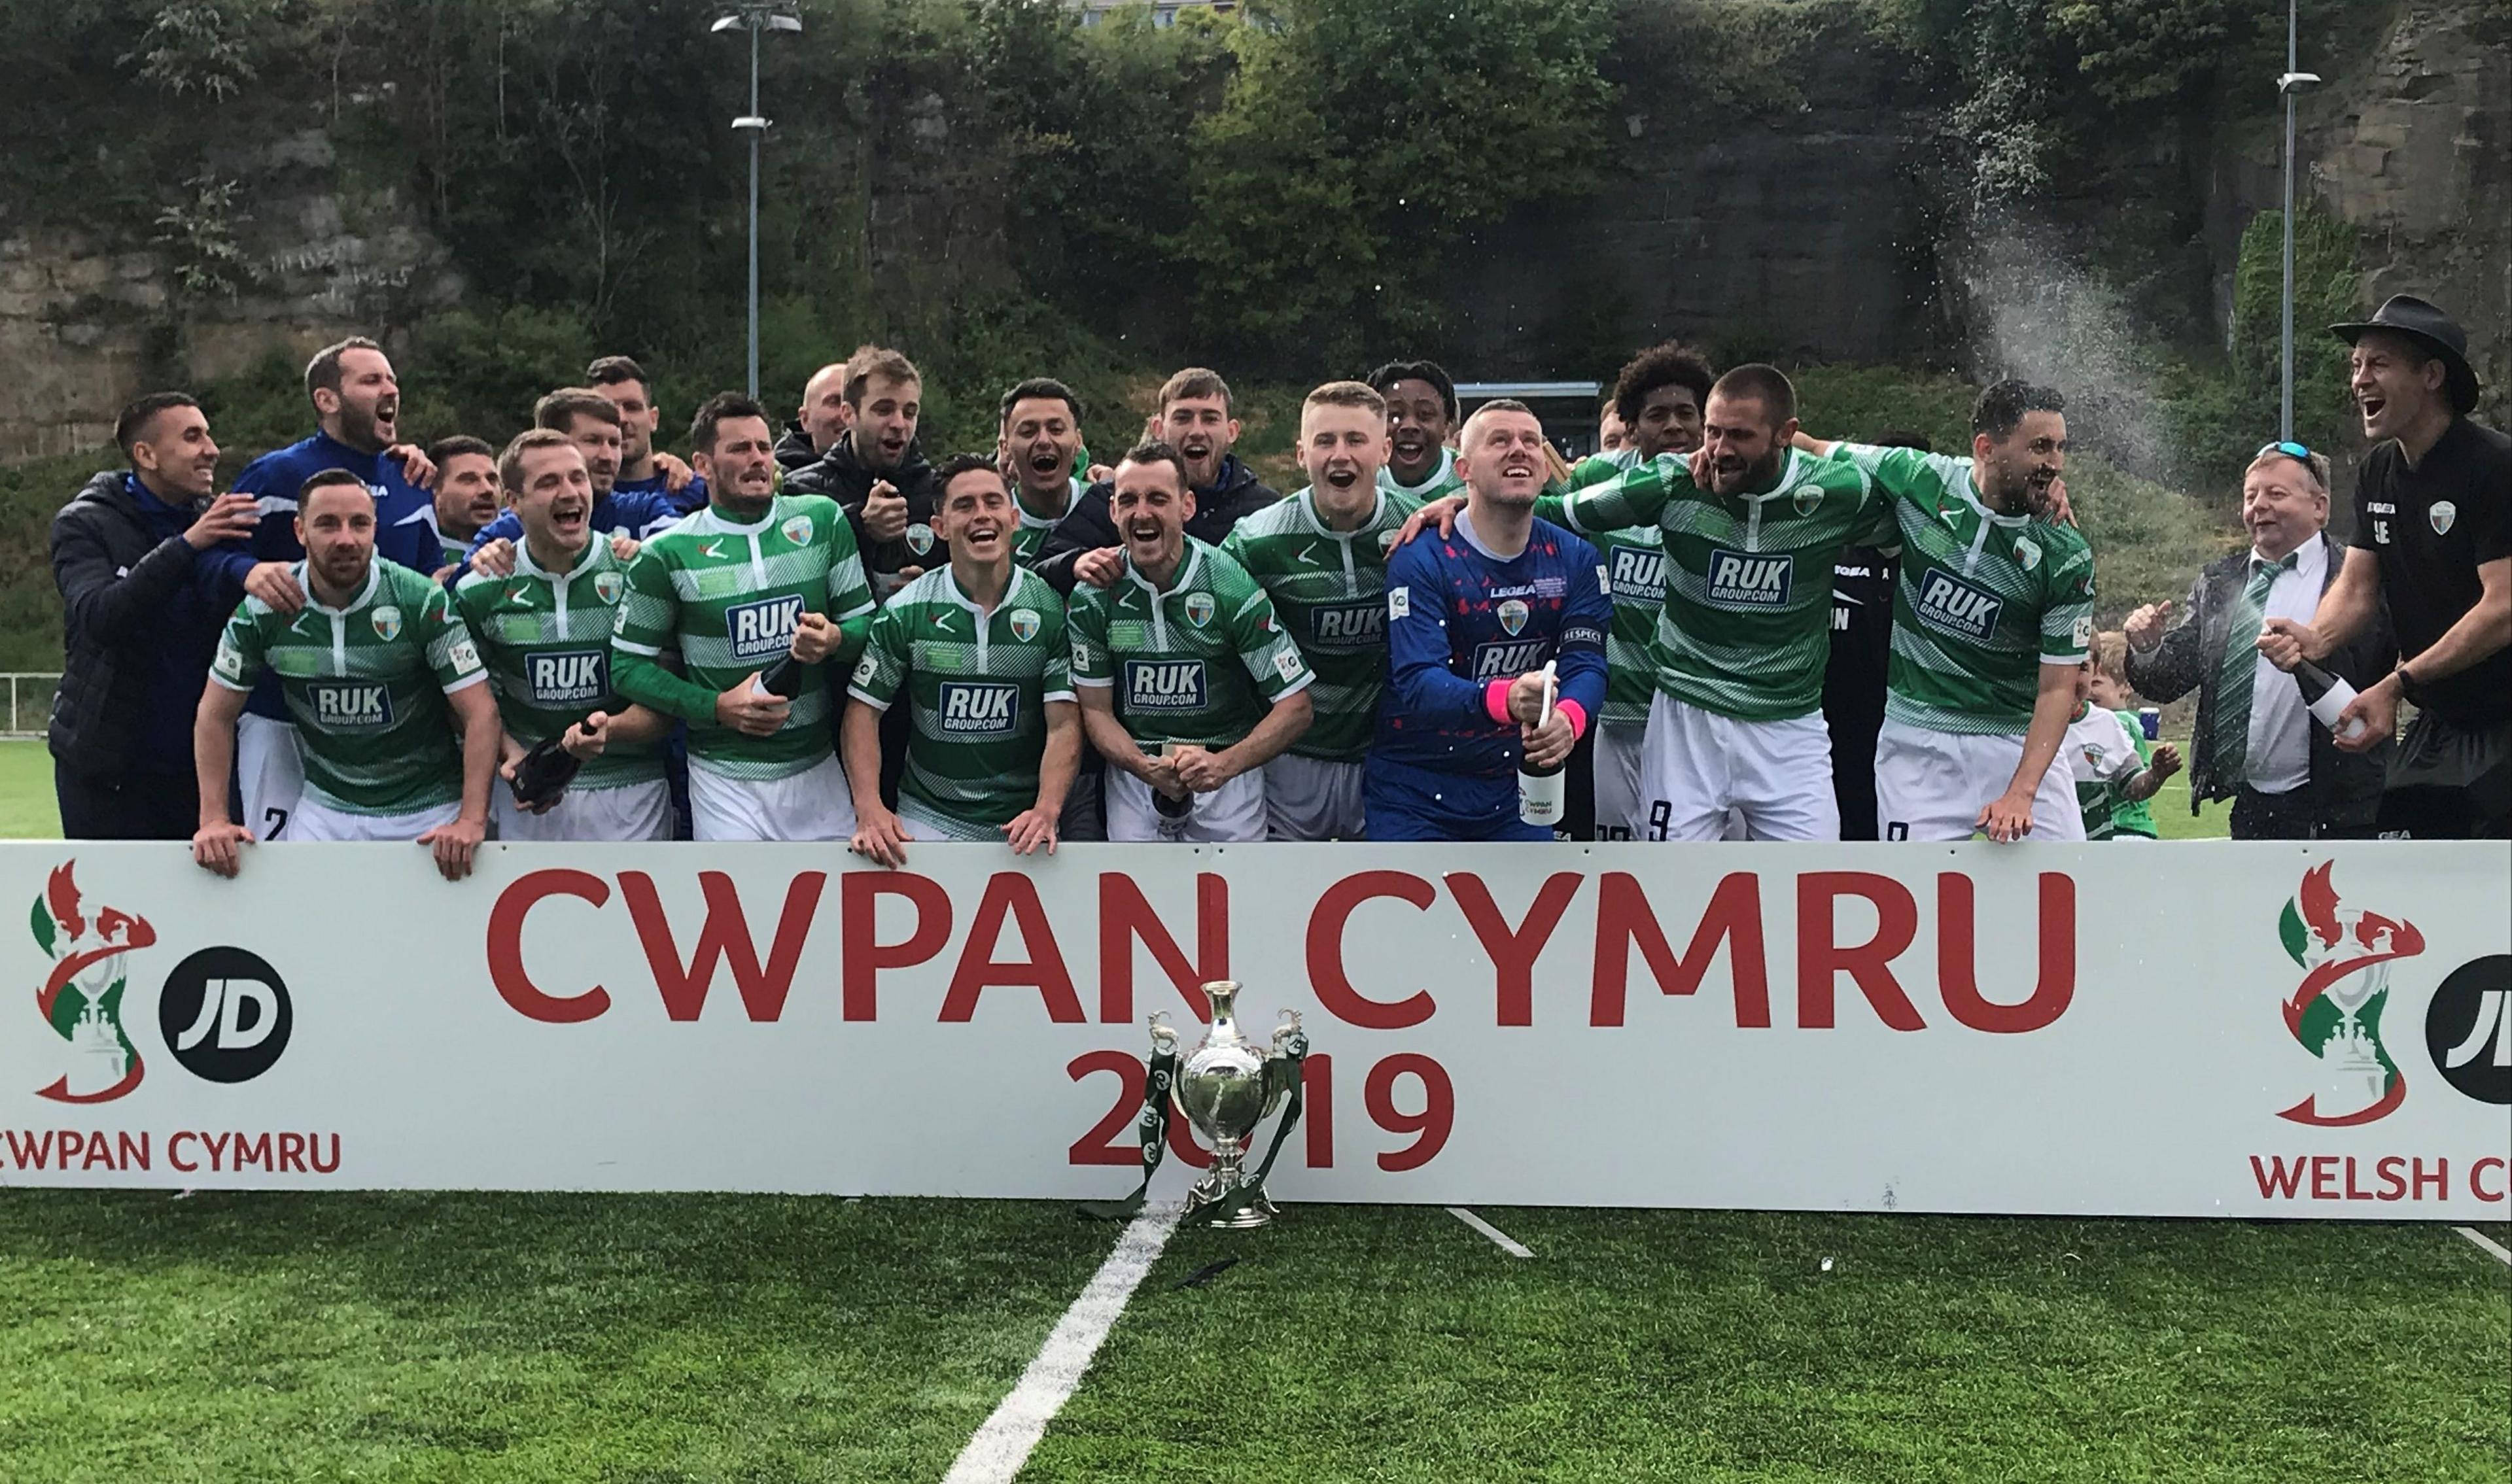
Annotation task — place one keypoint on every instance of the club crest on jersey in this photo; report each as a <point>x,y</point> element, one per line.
<point>2027,554</point>
<point>1948,604</point>
<point>1165,685</point>
<point>1807,498</point>
<point>2441,516</point>
<point>351,705</point>
<point>563,676</point>
<point>1198,609</point>
<point>798,530</point>
<point>1385,542</point>
<point>1750,579</point>
<point>1512,616</point>
<point>607,587</point>
<point>388,622</point>
<point>920,538</point>
<point>762,630</point>
<point>979,709</point>
<point>1024,624</point>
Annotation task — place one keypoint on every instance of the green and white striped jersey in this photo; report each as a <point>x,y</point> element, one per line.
<point>1746,625</point>
<point>1200,663</point>
<point>1029,537</point>
<point>366,685</point>
<point>1635,582</point>
<point>458,549</point>
<point>727,597</point>
<point>977,685</point>
<point>546,638</point>
<point>1985,600</point>
<point>1329,591</point>
<point>1442,478</point>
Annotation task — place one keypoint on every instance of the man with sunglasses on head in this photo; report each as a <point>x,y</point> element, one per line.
<point>2256,742</point>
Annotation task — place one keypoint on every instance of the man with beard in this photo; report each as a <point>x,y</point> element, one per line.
<point>1991,620</point>
<point>1658,400</point>
<point>1040,446</point>
<point>1187,686</point>
<point>141,606</point>
<point>643,469</point>
<point>878,474</point>
<point>1321,557</point>
<point>977,650</point>
<point>593,420</point>
<point>544,633</point>
<point>818,423</point>
<point>1420,415</point>
<point>1474,619</point>
<point>466,493</point>
<point>379,672</point>
<point>2433,545</point>
<point>357,408</point>
<point>1195,419</point>
<point>753,578</point>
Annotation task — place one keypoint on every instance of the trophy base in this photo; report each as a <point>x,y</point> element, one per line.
<point>1259,1211</point>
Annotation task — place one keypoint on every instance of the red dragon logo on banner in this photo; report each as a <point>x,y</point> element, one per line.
<point>82,997</point>
<point>2336,1012</point>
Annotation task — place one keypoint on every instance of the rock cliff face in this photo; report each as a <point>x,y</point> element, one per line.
<point>2410,142</point>
<point>86,325</point>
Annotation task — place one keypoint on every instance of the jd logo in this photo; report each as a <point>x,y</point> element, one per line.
<point>2468,1029</point>
<point>225,1015</point>
<point>81,997</point>
<point>2336,1012</point>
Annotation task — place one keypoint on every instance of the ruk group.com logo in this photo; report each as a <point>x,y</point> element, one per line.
<point>2335,1013</point>
<point>224,1012</point>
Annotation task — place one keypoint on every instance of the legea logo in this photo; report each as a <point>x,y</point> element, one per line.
<point>81,999</point>
<point>2336,1012</point>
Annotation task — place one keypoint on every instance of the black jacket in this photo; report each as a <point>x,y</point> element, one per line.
<point>2344,788</point>
<point>794,451</point>
<point>846,478</point>
<point>1087,526</point>
<point>138,617</point>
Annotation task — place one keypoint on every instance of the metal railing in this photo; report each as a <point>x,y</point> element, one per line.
<point>30,702</point>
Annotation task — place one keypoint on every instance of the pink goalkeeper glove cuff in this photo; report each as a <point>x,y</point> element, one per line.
<point>1495,701</point>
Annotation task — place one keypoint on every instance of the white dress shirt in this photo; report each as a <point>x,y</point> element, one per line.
<point>2278,759</point>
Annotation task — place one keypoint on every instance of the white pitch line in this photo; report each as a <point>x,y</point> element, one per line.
<point>998,1450</point>
<point>1500,1240</point>
<point>2487,1242</point>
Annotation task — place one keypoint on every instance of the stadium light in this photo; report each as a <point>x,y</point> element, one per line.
<point>2291,82</point>
<point>755,18</point>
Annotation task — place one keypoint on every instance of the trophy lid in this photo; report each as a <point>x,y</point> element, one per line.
<point>1224,994</point>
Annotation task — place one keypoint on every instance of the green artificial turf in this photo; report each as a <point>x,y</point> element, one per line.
<point>27,809</point>
<point>233,1337</point>
<point>1399,1345</point>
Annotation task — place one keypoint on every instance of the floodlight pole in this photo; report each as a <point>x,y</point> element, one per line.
<point>2290,83</point>
<point>755,18</point>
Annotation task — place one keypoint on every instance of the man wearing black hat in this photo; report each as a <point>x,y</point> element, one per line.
<point>2433,508</point>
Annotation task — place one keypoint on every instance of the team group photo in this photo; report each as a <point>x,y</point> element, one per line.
<point>1098,701</point>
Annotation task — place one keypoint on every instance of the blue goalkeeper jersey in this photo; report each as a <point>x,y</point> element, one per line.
<point>1459,617</point>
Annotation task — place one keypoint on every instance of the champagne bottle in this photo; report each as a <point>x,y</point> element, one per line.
<point>2328,696</point>
<point>784,677</point>
<point>1539,789</point>
<point>545,771</point>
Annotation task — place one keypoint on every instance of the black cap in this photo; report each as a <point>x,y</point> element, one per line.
<point>2405,314</point>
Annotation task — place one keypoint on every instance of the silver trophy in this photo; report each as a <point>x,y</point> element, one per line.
<point>1228,1087</point>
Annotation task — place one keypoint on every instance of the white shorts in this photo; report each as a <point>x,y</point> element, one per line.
<point>925,823</point>
<point>270,772</point>
<point>1696,767</point>
<point>1231,815</point>
<point>1932,785</point>
<point>631,811</point>
<point>1312,799</point>
<point>313,819</point>
<point>812,804</point>
<point>1620,810</point>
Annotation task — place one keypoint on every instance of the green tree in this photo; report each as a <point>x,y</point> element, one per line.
<point>1361,142</point>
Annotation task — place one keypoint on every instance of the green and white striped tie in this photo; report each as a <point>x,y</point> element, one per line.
<point>2241,668</point>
